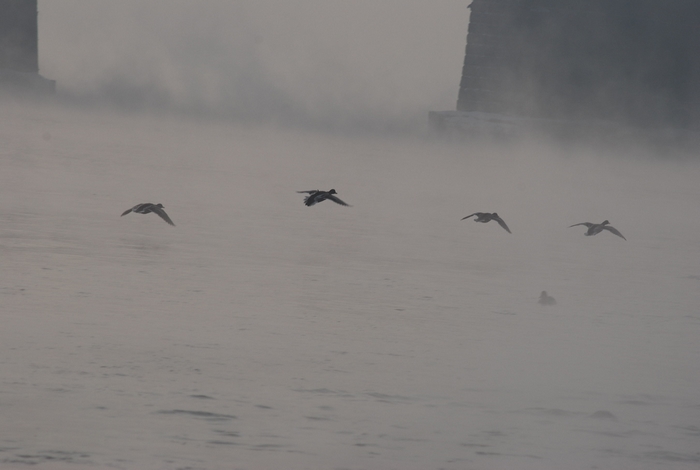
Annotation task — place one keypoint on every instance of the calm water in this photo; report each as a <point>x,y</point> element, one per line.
<point>260,334</point>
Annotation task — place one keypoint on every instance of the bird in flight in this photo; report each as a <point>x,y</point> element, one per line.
<point>594,229</point>
<point>315,196</point>
<point>147,208</point>
<point>486,217</point>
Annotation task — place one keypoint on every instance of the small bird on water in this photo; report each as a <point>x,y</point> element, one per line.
<point>486,217</point>
<point>147,208</point>
<point>546,300</point>
<point>594,229</point>
<point>315,196</point>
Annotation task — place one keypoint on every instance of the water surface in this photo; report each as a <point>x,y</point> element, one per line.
<point>260,333</point>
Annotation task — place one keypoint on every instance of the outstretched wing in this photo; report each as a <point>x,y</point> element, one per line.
<point>338,201</point>
<point>587,224</point>
<point>502,224</point>
<point>475,213</point>
<point>162,215</point>
<point>613,230</point>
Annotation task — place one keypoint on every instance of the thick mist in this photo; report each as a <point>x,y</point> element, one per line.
<point>260,333</point>
<point>363,64</point>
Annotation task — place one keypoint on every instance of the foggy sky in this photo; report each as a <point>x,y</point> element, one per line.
<point>387,335</point>
<point>312,61</point>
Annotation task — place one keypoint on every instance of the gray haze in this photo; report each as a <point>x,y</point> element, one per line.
<point>633,62</point>
<point>363,63</point>
<point>260,333</point>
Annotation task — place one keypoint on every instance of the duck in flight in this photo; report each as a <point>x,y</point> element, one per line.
<point>147,208</point>
<point>315,196</point>
<point>594,229</point>
<point>486,217</point>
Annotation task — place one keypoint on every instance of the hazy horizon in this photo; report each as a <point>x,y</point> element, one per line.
<point>261,333</point>
<point>340,64</point>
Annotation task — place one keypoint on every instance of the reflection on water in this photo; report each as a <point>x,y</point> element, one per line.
<point>260,333</point>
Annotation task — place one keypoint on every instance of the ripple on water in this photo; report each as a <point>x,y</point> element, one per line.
<point>199,414</point>
<point>672,456</point>
<point>49,456</point>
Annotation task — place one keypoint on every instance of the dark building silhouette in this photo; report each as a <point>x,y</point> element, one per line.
<point>633,62</point>
<point>19,48</point>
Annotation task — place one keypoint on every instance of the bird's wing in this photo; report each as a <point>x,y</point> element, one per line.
<point>127,211</point>
<point>338,201</point>
<point>502,224</point>
<point>163,215</point>
<point>587,224</point>
<point>475,213</point>
<point>613,230</point>
<point>309,192</point>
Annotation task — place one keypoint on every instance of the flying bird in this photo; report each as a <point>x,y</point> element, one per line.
<point>315,196</point>
<point>594,229</point>
<point>147,208</point>
<point>486,217</point>
<point>546,299</point>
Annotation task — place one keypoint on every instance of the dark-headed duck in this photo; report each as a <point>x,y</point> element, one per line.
<point>486,217</point>
<point>546,300</point>
<point>594,229</point>
<point>147,208</point>
<point>315,196</point>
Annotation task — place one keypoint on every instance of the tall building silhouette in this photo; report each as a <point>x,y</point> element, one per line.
<point>630,62</point>
<point>19,47</point>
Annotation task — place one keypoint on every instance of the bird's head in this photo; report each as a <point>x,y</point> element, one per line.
<point>332,191</point>
<point>160,205</point>
<point>606,222</point>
